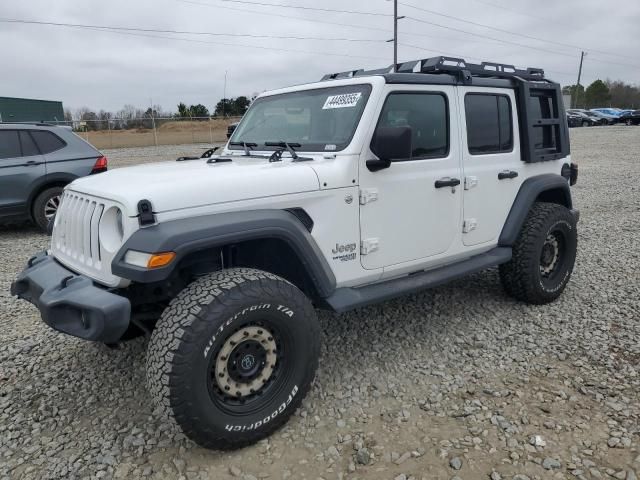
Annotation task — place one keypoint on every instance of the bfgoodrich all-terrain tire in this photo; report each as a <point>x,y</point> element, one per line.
<point>232,356</point>
<point>543,255</point>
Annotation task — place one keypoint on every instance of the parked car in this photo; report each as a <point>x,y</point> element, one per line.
<point>609,118</point>
<point>232,128</point>
<point>588,119</point>
<point>574,120</point>
<point>630,117</point>
<point>614,112</point>
<point>36,162</point>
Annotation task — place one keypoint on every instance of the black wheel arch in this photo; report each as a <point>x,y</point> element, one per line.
<point>549,188</point>
<point>272,240</point>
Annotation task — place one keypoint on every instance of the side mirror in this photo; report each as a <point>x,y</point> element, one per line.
<point>390,143</point>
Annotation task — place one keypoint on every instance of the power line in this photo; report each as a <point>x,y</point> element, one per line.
<point>280,15</point>
<point>314,20</point>
<point>182,32</point>
<point>453,17</point>
<point>261,47</point>
<point>502,7</point>
<point>300,7</point>
<point>522,45</point>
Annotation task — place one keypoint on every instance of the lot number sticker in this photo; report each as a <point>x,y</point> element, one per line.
<point>344,100</point>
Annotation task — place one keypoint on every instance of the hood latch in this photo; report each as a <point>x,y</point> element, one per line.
<point>145,213</point>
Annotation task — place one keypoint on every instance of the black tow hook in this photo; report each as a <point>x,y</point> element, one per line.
<point>65,281</point>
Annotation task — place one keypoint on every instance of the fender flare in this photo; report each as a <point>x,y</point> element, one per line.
<point>188,235</point>
<point>529,191</point>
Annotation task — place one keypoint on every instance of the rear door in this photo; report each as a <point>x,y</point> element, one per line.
<point>405,214</point>
<point>21,166</point>
<point>491,161</point>
<point>65,152</point>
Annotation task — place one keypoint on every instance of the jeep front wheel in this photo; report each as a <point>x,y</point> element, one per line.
<point>232,356</point>
<point>543,255</point>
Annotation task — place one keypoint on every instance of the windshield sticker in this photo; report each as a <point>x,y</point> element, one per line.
<point>344,100</point>
<point>330,147</point>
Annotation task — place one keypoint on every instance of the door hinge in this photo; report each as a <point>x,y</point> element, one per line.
<point>470,182</point>
<point>368,195</point>
<point>469,224</point>
<point>369,245</point>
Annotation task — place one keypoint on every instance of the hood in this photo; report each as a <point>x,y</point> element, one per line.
<point>178,185</point>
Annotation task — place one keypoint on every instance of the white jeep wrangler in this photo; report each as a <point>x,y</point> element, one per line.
<point>336,194</point>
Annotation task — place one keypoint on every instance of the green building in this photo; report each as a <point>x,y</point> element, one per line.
<point>29,110</point>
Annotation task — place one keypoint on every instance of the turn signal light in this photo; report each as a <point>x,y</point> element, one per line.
<point>160,259</point>
<point>149,260</point>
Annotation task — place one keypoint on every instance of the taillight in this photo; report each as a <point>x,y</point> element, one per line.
<point>100,165</point>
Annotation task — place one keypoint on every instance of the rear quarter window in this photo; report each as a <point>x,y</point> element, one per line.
<point>47,142</point>
<point>29,148</point>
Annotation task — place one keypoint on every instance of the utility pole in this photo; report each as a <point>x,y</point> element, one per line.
<point>224,94</point>
<point>395,34</point>
<point>577,89</point>
<point>153,124</point>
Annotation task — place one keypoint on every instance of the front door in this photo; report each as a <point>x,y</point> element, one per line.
<point>20,166</point>
<point>411,210</point>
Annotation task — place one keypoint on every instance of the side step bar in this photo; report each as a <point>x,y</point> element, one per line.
<point>347,298</point>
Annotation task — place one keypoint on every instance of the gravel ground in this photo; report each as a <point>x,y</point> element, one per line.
<point>460,382</point>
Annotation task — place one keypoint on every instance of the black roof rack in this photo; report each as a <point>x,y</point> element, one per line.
<point>544,133</point>
<point>449,65</point>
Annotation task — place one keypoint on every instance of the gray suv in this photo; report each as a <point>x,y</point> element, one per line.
<point>36,162</point>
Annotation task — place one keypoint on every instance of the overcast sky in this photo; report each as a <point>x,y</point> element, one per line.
<point>105,70</point>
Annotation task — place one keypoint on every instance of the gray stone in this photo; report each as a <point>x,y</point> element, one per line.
<point>550,463</point>
<point>363,457</point>
<point>455,463</point>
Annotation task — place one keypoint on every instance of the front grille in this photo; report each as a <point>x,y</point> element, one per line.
<point>75,240</point>
<point>76,232</point>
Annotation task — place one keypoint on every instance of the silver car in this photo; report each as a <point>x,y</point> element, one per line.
<point>36,162</point>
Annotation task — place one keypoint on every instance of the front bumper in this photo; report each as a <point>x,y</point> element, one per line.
<point>71,303</point>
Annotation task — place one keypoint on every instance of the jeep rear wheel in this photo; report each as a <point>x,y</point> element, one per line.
<point>543,255</point>
<point>232,356</point>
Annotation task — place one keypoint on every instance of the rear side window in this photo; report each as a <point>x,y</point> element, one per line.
<point>544,136</point>
<point>28,145</point>
<point>489,123</point>
<point>9,144</point>
<point>47,142</point>
<point>426,114</point>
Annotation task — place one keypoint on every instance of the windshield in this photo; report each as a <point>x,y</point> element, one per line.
<point>324,119</point>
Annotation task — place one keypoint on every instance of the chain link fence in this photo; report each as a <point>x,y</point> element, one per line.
<point>150,131</point>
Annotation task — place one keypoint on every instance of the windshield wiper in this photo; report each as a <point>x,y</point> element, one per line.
<point>248,146</point>
<point>287,145</point>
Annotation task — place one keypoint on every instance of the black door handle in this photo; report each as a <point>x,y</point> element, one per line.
<point>452,182</point>
<point>507,174</point>
<point>31,163</point>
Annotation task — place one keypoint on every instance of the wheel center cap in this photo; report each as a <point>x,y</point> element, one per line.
<point>247,362</point>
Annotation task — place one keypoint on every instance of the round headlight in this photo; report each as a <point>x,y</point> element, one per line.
<point>111,229</point>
